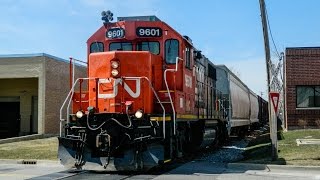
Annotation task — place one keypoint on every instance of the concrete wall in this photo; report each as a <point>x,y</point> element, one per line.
<point>302,67</point>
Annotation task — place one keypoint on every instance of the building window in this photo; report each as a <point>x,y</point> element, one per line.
<point>120,46</point>
<point>172,50</point>
<point>96,47</point>
<point>308,96</point>
<point>153,47</point>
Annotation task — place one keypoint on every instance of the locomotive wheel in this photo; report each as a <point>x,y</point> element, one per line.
<point>224,136</point>
<point>217,138</point>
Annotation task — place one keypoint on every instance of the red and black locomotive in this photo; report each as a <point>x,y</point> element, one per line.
<point>150,96</point>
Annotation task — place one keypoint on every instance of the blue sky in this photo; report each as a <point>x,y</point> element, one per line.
<point>227,31</point>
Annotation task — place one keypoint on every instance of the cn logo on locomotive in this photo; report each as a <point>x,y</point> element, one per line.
<point>115,83</point>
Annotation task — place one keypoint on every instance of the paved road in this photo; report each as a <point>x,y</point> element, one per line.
<point>192,170</point>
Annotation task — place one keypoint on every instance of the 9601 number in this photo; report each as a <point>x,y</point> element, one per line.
<point>115,33</point>
<point>149,32</point>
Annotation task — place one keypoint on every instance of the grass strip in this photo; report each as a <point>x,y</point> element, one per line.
<point>288,151</point>
<point>44,149</point>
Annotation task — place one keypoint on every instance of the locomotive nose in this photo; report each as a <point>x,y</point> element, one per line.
<point>123,76</point>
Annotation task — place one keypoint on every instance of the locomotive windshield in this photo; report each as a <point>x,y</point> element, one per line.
<point>96,47</point>
<point>153,47</point>
<point>120,46</point>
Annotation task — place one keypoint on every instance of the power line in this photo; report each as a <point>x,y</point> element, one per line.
<point>267,17</point>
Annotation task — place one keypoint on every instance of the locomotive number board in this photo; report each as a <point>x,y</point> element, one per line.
<point>149,32</point>
<point>115,33</point>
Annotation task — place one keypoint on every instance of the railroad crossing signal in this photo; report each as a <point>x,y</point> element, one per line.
<point>274,79</point>
<point>275,96</point>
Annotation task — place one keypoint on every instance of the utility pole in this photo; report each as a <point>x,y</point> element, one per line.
<point>272,119</point>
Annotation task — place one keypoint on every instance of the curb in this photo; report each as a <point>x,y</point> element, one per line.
<point>247,166</point>
<point>293,167</point>
<point>25,138</point>
<point>271,167</point>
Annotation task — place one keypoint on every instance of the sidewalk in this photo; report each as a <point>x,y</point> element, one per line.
<point>42,169</point>
<point>241,171</point>
<point>32,162</point>
<point>272,167</point>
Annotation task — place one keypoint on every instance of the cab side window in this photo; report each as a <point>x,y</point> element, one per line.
<point>96,47</point>
<point>188,56</point>
<point>171,50</point>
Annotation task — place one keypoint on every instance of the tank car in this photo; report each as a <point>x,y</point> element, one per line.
<point>242,103</point>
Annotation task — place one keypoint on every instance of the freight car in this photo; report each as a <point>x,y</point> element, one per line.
<point>263,115</point>
<point>246,110</point>
<point>150,96</point>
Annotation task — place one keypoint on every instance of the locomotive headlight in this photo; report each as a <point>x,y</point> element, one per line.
<point>114,72</point>
<point>114,64</point>
<point>79,114</point>
<point>138,114</point>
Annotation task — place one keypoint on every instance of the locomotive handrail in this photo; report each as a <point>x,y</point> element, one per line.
<point>69,96</point>
<point>72,69</point>
<point>165,81</point>
<point>164,110</point>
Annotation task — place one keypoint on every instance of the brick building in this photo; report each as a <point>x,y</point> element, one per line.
<point>302,87</point>
<point>32,90</point>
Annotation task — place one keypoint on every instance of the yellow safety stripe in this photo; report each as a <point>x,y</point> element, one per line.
<point>165,91</point>
<point>187,116</point>
<point>167,118</point>
<point>183,116</point>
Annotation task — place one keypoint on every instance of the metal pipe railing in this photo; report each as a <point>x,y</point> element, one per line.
<point>69,97</point>
<point>165,81</point>
<point>156,95</point>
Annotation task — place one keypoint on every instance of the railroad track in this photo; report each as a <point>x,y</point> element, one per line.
<point>228,152</point>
